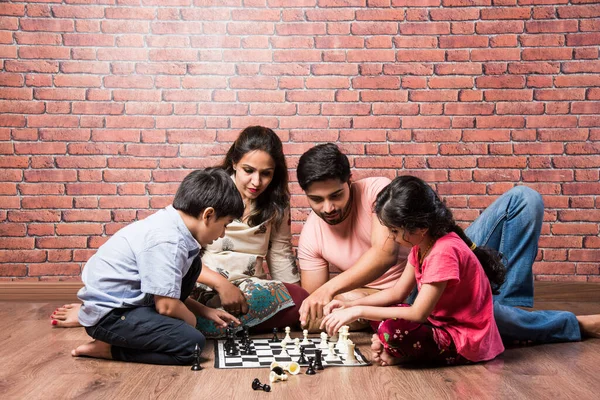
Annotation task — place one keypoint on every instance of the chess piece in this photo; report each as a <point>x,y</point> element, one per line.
<point>274,376</point>
<point>247,348</point>
<point>323,344</point>
<point>319,360</point>
<point>302,359</point>
<point>196,365</point>
<point>284,352</point>
<point>350,357</point>
<point>311,366</point>
<point>341,343</point>
<point>331,356</point>
<point>274,339</point>
<point>297,344</point>
<point>291,367</point>
<point>256,385</point>
<point>245,335</point>
<point>305,341</point>
<point>277,368</point>
<point>287,337</point>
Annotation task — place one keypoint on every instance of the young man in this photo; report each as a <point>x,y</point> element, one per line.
<point>342,232</point>
<point>135,298</point>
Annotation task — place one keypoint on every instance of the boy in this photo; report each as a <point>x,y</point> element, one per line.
<point>135,298</point>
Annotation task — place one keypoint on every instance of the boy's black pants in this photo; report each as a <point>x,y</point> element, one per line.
<point>143,335</point>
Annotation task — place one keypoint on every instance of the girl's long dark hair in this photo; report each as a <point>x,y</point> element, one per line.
<point>410,203</point>
<point>276,197</point>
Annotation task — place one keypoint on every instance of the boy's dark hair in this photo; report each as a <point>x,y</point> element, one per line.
<point>210,187</point>
<point>322,162</point>
<point>410,203</point>
<point>276,197</point>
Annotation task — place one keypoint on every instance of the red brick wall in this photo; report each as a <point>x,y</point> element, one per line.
<point>104,108</point>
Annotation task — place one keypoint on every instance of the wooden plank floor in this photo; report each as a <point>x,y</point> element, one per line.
<point>36,363</point>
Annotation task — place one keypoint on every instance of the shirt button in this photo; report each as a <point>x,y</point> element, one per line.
<point>122,318</point>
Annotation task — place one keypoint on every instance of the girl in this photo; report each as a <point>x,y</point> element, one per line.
<point>451,320</point>
<point>234,278</point>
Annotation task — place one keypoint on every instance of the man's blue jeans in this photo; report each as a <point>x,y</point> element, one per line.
<point>512,225</point>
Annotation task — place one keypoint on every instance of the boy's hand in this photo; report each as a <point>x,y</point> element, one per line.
<point>232,298</point>
<point>220,317</point>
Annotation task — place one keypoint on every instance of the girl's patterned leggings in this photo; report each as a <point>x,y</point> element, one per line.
<point>414,342</point>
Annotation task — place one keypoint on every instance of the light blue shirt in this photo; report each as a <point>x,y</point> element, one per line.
<point>146,258</point>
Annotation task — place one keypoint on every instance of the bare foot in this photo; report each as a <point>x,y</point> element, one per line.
<point>589,325</point>
<point>379,355</point>
<point>66,316</point>
<point>95,348</point>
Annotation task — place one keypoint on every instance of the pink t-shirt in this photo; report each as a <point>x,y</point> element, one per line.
<point>340,246</point>
<point>465,309</point>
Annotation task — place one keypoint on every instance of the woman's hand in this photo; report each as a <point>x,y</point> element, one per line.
<point>334,305</point>
<point>340,317</point>
<point>232,299</point>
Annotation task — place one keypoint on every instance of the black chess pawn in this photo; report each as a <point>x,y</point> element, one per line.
<point>256,385</point>
<point>319,360</point>
<point>248,348</point>
<point>274,339</point>
<point>196,354</point>
<point>311,366</point>
<point>302,359</point>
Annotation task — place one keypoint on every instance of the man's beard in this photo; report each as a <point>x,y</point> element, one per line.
<point>342,214</point>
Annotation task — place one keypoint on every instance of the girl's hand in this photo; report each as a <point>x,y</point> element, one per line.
<point>334,321</point>
<point>334,305</point>
<point>220,317</point>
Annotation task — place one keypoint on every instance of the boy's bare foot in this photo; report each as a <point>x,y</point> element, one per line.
<point>589,325</point>
<point>95,348</point>
<point>379,355</point>
<point>66,316</point>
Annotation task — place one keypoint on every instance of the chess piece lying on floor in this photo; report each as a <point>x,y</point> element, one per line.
<point>274,376</point>
<point>291,367</point>
<point>256,385</point>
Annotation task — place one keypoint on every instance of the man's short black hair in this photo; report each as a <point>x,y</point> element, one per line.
<point>321,163</point>
<point>210,187</point>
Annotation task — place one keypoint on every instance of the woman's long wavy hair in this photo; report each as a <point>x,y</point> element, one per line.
<point>409,203</point>
<point>273,201</point>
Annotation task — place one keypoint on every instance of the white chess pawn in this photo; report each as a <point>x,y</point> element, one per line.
<point>297,344</point>
<point>284,352</point>
<point>323,344</point>
<point>331,356</point>
<point>287,338</point>
<point>305,341</point>
<point>341,343</point>
<point>350,357</point>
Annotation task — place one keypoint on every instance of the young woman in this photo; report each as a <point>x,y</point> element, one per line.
<point>451,320</point>
<point>235,278</point>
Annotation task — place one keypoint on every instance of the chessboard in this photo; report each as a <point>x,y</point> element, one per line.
<point>264,352</point>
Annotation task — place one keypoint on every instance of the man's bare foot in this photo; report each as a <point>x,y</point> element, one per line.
<point>95,348</point>
<point>66,316</point>
<point>589,325</point>
<point>379,355</point>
